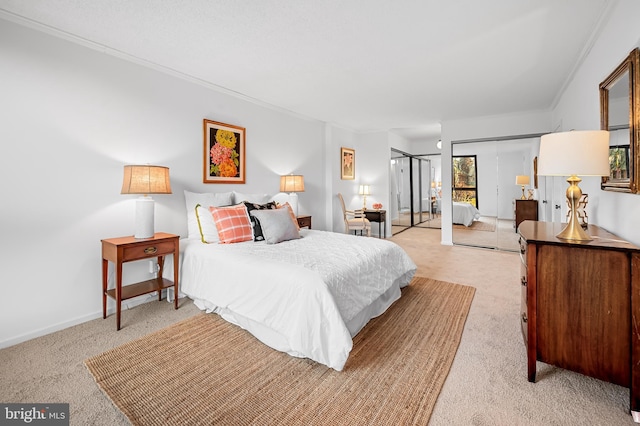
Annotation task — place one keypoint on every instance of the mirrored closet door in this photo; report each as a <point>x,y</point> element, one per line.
<point>485,194</point>
<point>415,188</point>
<point>431,191</point>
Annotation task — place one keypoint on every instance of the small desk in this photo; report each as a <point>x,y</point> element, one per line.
<point>379,216</point>
<point>125,249</point>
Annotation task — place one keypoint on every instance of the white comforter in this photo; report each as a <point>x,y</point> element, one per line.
<point>464,213</point>
<point>306,297</point>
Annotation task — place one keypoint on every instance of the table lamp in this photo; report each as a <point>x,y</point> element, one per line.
<point>364,191</point>
<point>292,184</point>
<point>584,153</point>
<point>145,180</point>
<point>522,181</point>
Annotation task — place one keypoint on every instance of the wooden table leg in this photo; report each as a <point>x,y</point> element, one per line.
<point>176,262</point>
<point>105,268</point>
<point>118,292</point>
<point>159,277</point>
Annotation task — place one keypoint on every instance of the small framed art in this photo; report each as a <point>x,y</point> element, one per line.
<point>224,153</point>
<point>347,163</point>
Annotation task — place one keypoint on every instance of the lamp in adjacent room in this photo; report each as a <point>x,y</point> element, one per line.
<point>292,184</point>
<point>364,191</point>
<point>522,181</point>
<point>145,180</point>
<point>573,154</point>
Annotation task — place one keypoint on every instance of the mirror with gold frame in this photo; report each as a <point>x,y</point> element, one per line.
<point>620,115</point>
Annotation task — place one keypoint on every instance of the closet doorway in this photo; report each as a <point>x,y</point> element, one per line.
<point>415,191</point>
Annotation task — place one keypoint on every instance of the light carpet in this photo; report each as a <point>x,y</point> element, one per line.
<point>204,370</point>
<point>488,225</point>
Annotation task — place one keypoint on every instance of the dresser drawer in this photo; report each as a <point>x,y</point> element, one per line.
<point>523,307</point>
<point>523,288</point>
<point>143,251</point>
<point>523,250</point>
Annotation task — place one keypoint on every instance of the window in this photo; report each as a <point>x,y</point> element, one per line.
<point>618,161</point>
<point>465,186</point>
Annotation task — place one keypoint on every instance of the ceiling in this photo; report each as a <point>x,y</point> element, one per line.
<point>365,65</point>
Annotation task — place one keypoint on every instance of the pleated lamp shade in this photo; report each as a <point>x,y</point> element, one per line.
<point>145,180</point>
<point>292,184</point>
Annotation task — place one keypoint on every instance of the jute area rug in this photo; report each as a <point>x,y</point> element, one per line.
<point>205,371</point>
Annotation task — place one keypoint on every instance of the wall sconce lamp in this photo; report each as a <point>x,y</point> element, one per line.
<point>364,191</point>
<point>292,184</point>
<point>584,153</point>
<point>145,180</point>
<point>522,181</point>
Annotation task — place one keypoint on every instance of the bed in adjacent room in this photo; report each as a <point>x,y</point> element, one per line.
<point>307,294</point>
<point>464,213</point>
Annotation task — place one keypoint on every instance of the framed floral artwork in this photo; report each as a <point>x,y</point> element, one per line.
<point>224,153</point>
<point>347,163</point>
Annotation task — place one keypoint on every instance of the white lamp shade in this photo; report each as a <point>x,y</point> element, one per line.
<point>580,153</point>
<point>364,190</point>
<point>292,183</point>
<point>522,180</point>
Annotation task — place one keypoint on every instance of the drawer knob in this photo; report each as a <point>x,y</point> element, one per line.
<point>523,281</point>
<point>150,250</point>
<point>524,317</point>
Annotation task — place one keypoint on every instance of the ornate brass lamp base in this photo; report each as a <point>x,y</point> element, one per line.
<point>573,231</point>
<point>523,197</point>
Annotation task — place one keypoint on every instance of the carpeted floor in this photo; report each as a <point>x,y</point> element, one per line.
<point>206,371</point>
<point>487,383</point>
<point>486,225</point>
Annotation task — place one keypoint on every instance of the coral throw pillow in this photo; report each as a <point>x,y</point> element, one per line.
<point>233,223</point>
<point>290,209</point>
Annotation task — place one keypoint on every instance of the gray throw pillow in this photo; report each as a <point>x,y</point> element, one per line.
<point>277,225</point>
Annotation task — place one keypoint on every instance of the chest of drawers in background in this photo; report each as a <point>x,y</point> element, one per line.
<point>525,210</point>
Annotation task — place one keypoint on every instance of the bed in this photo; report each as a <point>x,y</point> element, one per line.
<point>464,213</point>
<point>306,296</point>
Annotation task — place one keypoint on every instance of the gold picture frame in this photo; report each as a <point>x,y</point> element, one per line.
<point>347,163</point>
<point>224,153</point>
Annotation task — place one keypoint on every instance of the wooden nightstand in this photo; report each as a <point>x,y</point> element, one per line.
<point>304,221</point>
<point>126,249</point>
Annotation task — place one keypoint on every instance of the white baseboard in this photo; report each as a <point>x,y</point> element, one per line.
<point>126,304</point>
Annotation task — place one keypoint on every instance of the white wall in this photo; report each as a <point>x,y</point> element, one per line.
<point>579,108</point>
<point>372,168</point>
<point>71,118</point>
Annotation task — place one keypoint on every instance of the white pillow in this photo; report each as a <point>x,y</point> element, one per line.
<point>207,229</point>
<point>252,198</point>
<point>277,225</point>
<point>206,199</point>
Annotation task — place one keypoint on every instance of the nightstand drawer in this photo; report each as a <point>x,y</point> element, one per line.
<point>143,251</point>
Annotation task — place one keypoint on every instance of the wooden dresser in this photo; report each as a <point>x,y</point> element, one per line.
<point>579,304</point>
<point>525,210</point>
